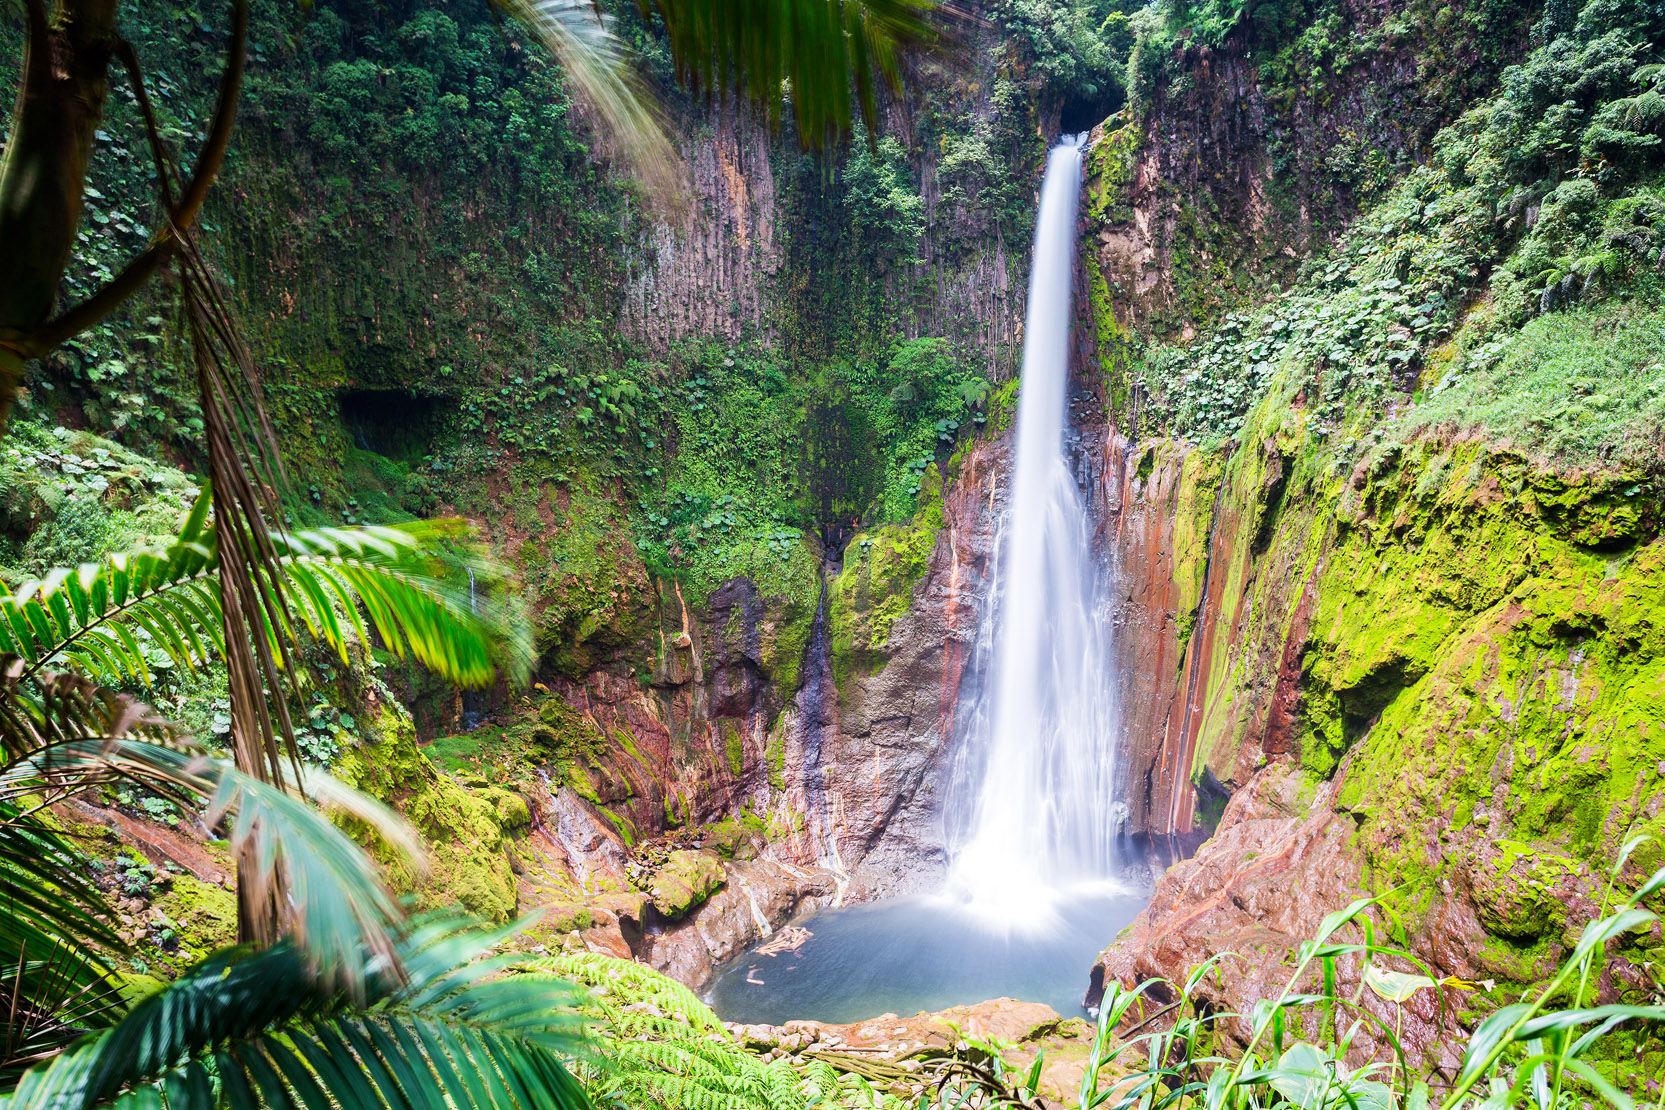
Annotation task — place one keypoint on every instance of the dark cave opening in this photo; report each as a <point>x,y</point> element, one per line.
<point>1082,112</point>
<point>392,422</point>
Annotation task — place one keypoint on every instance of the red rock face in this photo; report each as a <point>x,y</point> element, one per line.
<point>844,767</point>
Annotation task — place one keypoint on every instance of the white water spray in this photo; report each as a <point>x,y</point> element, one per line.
<point>1039,777</point>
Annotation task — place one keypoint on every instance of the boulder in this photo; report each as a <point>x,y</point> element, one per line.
<point>687,879</point>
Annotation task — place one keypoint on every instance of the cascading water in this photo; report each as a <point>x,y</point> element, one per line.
<point>1036,789</point>
<point>1032,892</point>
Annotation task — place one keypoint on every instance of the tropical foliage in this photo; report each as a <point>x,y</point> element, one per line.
<point>413,582</point>
<point>434,1025</point>
<point>1544,199</point>
<point>660,1046</point>
<point>1551,1048</point>
<point>62,733</point>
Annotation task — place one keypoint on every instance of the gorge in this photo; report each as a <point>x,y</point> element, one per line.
<point>971,569</point>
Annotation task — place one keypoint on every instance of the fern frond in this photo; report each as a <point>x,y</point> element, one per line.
<point>664,1047</point>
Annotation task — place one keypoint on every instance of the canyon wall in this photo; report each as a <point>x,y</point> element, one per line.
<point>1432,678</point>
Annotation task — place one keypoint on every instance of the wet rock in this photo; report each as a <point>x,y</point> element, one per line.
<point>756,898</point>
<point>685,880</point>
<point>1259,887</point>
<point>608,940</point>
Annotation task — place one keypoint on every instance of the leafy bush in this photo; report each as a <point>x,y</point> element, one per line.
<point>1506,203</point>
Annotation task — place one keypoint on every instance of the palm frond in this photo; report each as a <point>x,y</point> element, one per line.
<point>581,37</point>
<point>55,983</point>
<point>61,734</point>
<point>279,1036</point>
<point>827,57</point>
<point>336,901</point>
<point>55,932</point>
<point>412,581</point>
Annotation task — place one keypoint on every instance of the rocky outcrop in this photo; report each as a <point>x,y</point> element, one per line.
<point>1432,679</point>
<point>898,1052</point>
<point>836,752</point>
<point>757,897</point>
<point>754,256</point>
<point>683,882</point>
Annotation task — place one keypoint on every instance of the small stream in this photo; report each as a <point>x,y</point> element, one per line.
<point>924,953</point>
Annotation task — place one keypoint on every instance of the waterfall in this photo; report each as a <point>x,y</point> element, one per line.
<point>1036,794</point>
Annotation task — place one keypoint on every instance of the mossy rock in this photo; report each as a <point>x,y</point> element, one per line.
<point>512,810</point>
<point>462,829</point>
<point>876,587</point>
<point>686,880</point>
<point>1520,892</point>
<point>558,919</point>
<point>204,915</point>
<point>732,838</point>
<point>134,986</point>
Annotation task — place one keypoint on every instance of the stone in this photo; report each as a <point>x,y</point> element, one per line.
<point>686,879</point>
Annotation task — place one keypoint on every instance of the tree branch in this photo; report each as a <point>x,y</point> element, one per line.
<point>60,99</point>
<point>165,242</point>
<point>158,152</point>
<point>40,22</point>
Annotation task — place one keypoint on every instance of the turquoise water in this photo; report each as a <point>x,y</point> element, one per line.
<point>914,954</point>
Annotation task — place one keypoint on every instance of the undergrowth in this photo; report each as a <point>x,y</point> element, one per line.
<point>1541,203</point>
<point>1586,386</point>
<point>1548,1050</point>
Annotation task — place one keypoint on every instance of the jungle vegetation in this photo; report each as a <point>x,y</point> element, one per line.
<point>1548,194</point>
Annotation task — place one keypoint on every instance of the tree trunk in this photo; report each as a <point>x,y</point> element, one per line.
<point>60,103</point>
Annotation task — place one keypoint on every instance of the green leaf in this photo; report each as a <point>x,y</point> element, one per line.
<point>1395,986</point>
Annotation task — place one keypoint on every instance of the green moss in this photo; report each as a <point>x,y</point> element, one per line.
<point>1193,516</point>
<point>1115,343</point>
<point>731,837</point>
<point>1458,635</point>
<point>1109,169</point>
<point>1003,406</point>
<point>684,881</point>
<point>133,986</point>
<point>791,594</point>
<point>734,747</point>
<point>876,586</point>
<point>774,756</point>
<point>621,824</point>
<point>593,594</point>
<point>464,831</point>
<point>203,914</point>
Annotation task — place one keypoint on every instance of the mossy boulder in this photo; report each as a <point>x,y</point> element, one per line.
<point>686,879</point>
<point>731,838</point>
<point>512,810</point>
<point>462,829</point>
